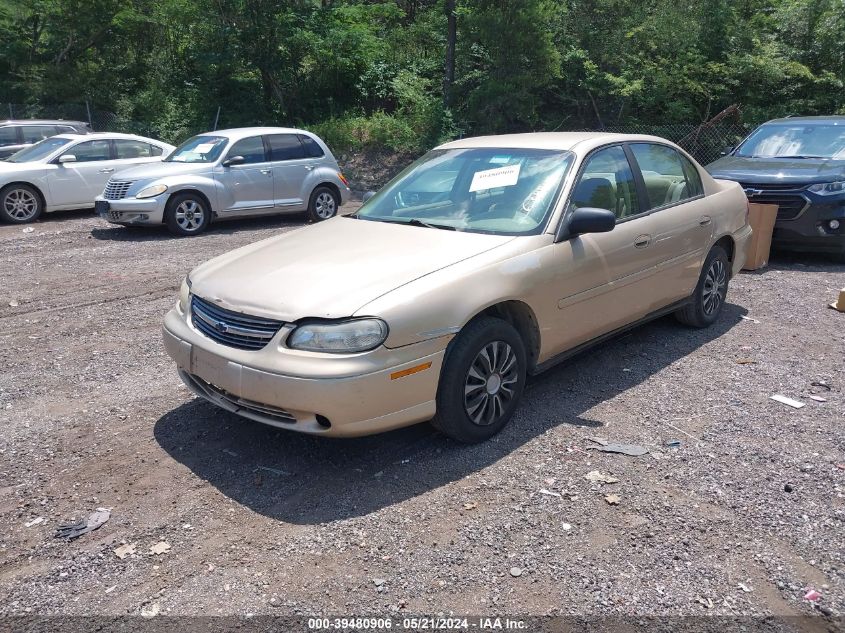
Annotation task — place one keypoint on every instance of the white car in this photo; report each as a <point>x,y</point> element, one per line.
<point>68,171</point>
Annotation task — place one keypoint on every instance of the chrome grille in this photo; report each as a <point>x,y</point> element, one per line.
<point>116,189</point>
<point>790,202</point>
<point>234,329</point>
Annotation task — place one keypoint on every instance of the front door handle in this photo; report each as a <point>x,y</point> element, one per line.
<point>107,170</point>
<point>643,241</point>
<point>265,171</point>
<point>704,220</point>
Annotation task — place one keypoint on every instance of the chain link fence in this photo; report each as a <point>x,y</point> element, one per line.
<point>100,120</point>
<point>705,142</point>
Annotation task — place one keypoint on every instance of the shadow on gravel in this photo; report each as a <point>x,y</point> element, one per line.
<point>116,233</point>
<point>305,480</point>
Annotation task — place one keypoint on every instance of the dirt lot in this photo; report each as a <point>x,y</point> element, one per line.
<point>741,518</point>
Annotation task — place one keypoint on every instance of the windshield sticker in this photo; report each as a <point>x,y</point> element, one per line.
<point>203,148</point>
<point>492,178</point>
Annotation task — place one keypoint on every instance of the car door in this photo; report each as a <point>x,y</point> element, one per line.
<point>248,185</point>
<point>603,281</point>
<point>680,213</point>
<point>80,181</point>
<point>293,163</point>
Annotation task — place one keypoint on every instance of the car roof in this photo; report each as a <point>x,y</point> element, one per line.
<point>835,119</point>
<point>550,140</point>
<point>109,135</point>
<point>42,122</point>
<point>243,132</point>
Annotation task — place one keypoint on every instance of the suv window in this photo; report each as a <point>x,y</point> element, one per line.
<point>91,151</point>
<point>126,148</point>
<point>664,174</point>
<point>67,129</point>
<point>285,147</point>
<point>607,182</point>
<point>252,149</point>
<point>8,135</point>
<point>35,133</point>
<point>312,148</point>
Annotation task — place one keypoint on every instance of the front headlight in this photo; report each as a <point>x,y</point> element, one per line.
<point>828,188</point>
<point>152,190</point>
<point>340,337</point>
<point>185,295</point>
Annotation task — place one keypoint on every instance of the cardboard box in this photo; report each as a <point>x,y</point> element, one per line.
<point>762,218</point>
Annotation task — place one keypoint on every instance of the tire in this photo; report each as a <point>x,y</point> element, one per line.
<point>187,214</point>
<point>708,298</point>
<point>20,204</point>
<point>323,204</point>
<point>473,403</point>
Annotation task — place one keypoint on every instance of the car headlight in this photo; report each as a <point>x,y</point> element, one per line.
<point>828,188</point>
<point>152,190</point>
<point>185,294</point>
<point>339,337</point>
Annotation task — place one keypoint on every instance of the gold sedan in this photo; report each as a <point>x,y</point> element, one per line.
<point>486,260</point>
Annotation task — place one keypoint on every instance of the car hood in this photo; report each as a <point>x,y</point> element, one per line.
<point>152,171</point>
<point>331,269</point>
<point>777,170</point>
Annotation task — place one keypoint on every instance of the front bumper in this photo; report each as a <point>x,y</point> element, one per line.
<point>808,229</point>
<point>132,210</point>
<point>301,391</point>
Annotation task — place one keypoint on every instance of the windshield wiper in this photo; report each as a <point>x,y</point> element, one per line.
<point>429,225</point>
<point>801,156</point>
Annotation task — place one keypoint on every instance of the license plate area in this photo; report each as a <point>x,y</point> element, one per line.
<point>215,370</point>
<point>102,207</point>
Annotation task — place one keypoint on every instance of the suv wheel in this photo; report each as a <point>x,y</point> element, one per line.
<point>187,214</point>
<point>20,204</point>
<point>482,381</point>
<point>323,205</point>
<point>708,298</point>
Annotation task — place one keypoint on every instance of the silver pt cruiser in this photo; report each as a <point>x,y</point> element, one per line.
<point>229,174</point>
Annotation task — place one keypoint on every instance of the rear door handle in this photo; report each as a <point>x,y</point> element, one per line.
<point>266,171</point>
<point>643,241</point>
<point>704,220</point>
<point>309,167</point>
<point>107,170</point>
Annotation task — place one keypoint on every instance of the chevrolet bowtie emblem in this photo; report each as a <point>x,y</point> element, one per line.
<point>753,192</point>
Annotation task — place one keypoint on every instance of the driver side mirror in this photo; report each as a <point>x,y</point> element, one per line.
<point>233,160</point>
<point>67,158</point>
<point>591,220</point>
<point>368,195</point>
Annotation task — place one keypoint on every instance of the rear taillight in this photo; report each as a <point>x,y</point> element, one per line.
<point>343,179</point>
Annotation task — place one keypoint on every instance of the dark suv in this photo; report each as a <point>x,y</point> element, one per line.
<point>16,135</point>
<point>797,163</point>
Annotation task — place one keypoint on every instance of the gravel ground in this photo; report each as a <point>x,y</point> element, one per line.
<point>742,517</point>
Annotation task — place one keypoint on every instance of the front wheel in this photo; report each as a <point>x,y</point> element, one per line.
<point>708,298</point>
<point>20,204</point>
<point>482,381</point>
<point>187,214</point>
<point>323,205</point>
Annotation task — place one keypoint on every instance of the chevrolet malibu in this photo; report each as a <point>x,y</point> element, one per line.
<point>487,260</point>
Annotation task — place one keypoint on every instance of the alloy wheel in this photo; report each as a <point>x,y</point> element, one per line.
<point>20,204</point>
<point>715,285</point>
<point>490,383</point>
<point>325,205</point>
<point>189,215</point>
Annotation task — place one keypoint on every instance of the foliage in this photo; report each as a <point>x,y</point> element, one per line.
<point>371,72</point>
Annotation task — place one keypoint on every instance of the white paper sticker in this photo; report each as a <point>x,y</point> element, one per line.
<point>203,148</point>
<point>492,178</point>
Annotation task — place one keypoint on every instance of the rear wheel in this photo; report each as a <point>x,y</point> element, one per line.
<point>187,214</point>
<point>482,381</point>
<point>708,299</point>
<point>20,204</point>
<point>323,205</point>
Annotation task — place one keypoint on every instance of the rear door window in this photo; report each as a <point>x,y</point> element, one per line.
<point>666,178</point>
<point>35,133</point>
<point>126,148</point>
<point>285,147</point>
<point>8,135</point>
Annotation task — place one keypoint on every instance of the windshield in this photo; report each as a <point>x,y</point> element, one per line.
<point>485,190</point>
<point>40,150</point>
<point>795,140</point>
<point>199,149</point>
